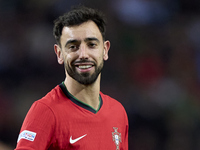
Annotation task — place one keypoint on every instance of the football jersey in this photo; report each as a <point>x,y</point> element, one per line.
<point>59,121</point>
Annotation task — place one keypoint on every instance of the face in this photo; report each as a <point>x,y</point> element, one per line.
<point>82,52</point>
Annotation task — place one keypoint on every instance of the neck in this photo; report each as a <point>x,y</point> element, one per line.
<point>88,94</point>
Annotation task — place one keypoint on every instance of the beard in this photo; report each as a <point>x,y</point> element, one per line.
<point>84,78</point>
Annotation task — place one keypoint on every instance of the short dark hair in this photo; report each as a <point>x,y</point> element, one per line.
<point>77,16</point>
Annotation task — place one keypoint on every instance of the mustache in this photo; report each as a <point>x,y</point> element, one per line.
<point>83,61</point>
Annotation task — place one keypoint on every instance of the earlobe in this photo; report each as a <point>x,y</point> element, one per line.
<point>106,49</point>
<point>59,55</point>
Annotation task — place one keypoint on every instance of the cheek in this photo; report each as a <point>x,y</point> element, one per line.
<point>100,59</point>
<point>68,61</point>
<point>68,57</point>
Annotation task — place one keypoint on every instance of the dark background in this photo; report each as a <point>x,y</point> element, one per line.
<point>153,67</point>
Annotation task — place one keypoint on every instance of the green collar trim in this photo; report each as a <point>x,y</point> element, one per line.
<point>80,103</point>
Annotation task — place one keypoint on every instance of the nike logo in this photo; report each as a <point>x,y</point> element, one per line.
<point>72,141</point>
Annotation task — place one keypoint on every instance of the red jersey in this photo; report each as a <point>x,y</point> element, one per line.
<point>59,121</point>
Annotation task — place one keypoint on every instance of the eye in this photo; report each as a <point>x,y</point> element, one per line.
<point>73,47</point>
<point>92,44</point>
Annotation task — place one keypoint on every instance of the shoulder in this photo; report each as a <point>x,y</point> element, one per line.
<point>50,103</point>
<point>111,102</point>
<point>46,107</point>
<point>109,99</point>
<point>55,96</point>
<point>115,108</point>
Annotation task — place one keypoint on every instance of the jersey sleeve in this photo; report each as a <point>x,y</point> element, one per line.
<point>37,129</point>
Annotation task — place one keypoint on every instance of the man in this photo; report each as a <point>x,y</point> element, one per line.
<point>75,115</point>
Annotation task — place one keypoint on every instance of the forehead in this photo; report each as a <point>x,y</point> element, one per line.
<point>80,32</point>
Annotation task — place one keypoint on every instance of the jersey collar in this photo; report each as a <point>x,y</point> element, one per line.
<point>78,102</point>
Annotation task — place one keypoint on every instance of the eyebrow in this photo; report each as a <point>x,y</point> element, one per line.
<point>70,41</point>
<point>92,39</point>
<point>86,40</point>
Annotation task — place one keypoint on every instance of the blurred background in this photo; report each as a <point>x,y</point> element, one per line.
<point>153,67</point>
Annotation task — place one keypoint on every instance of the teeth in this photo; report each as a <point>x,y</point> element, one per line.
<point>85,67</point>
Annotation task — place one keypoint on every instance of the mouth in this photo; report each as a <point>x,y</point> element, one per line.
<point>84,66</point>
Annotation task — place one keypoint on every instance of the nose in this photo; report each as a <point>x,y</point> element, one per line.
<point>83,52</point>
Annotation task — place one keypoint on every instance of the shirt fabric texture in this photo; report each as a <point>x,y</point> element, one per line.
<point>61,122</point>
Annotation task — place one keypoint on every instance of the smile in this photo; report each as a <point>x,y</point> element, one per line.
<point>84,66</point>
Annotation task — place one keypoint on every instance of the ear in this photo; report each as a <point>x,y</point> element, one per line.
<point>106,49</point>
<point>58,52</point>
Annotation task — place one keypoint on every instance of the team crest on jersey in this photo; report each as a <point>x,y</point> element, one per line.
<point>116,137</point>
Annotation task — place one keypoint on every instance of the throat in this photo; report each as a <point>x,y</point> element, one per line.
<point>93,103</point>
<point>89,102</point>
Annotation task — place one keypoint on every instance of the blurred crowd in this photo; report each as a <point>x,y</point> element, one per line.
<point>153,67</point>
